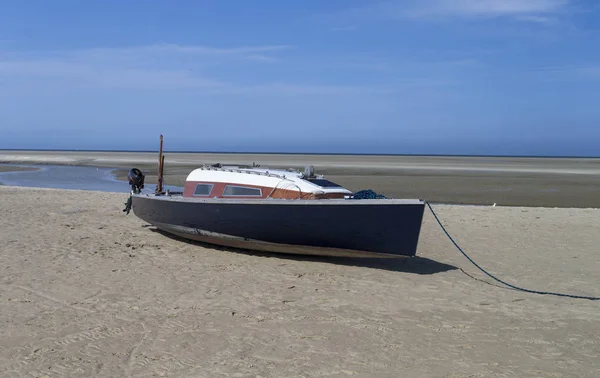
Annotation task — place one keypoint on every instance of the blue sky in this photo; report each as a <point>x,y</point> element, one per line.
<point>414,76</point>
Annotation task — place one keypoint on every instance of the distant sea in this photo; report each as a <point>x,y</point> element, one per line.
<point>566,156</point>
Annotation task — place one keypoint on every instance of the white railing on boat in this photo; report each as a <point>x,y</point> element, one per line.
<point>224,169</point>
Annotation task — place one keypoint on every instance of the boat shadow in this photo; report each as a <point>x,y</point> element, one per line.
<point>414,265</point>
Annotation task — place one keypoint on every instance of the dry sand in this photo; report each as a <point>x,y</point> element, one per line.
<point>508,181</point>
<point>87,291</point>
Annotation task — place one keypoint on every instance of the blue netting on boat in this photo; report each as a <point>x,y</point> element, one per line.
<point>367,194</point>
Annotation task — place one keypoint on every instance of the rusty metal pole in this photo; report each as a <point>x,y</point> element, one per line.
<point>162,173</point>
<point>161,160</point>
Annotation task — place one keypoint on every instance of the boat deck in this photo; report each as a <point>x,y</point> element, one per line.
<point>279,201</point>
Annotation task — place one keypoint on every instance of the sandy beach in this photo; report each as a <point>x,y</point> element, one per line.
<point>507,181</point>
<point>88,291</point>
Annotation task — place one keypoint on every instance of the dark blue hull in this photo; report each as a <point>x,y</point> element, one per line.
<point>386,228</point>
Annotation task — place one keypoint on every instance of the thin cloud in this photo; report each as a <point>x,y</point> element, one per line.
<point>584,72</point>
<point>161,67</point>
<point>536,11</point>
<point>284,89</point>
<point>486,8</point>
<point>591,72</point>
<point>257,53</point>
<point>543,20</point>
<point>165,47</point>
<point>244,51</point>
<point>78,74</point>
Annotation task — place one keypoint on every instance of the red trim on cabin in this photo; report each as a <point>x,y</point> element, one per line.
<point>219,187</point>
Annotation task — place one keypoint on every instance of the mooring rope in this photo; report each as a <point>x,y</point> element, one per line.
<point>498,279</point>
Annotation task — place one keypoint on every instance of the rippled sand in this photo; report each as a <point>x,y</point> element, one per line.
<point>87,291</point>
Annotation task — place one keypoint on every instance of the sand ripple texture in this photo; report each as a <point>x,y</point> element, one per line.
<point>89,292</point>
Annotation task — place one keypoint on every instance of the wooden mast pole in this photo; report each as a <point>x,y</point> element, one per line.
<point>161,162</point>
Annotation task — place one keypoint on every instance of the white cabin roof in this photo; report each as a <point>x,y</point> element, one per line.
<point>273,178</point>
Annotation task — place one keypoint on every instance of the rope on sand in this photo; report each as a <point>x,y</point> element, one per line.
<point>498,279</point>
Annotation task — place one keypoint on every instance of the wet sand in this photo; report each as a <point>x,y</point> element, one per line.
<point>14,168</point>
<point>539,182</point>
<point>87,291</point>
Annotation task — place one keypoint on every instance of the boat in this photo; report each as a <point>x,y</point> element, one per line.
<point>278,210</point>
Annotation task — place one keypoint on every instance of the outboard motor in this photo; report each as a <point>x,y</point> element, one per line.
<point>136,180</point>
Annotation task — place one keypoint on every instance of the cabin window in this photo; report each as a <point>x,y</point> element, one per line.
<point>324,183</point>
<point>203,189</point>
<point>231,190</point>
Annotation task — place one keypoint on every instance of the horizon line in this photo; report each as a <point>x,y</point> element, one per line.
<point>304,153</point>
